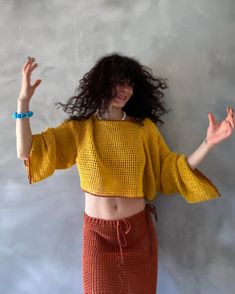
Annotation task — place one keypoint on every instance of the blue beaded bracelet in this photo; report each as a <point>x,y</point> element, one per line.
<point>22,115</point>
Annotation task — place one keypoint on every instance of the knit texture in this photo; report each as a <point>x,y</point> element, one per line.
<point>117,158</point>
<point>120,256</point>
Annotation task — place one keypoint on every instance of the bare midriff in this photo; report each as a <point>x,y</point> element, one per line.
<point>111,208</point>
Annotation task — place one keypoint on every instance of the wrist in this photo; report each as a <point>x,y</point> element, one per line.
<point>22,105</point>
<point>23,99</point>
<point>208,145</point>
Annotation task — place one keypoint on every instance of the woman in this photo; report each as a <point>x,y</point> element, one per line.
<point>122,160</point>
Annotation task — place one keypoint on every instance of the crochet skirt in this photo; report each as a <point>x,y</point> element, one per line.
<point>120,256</point>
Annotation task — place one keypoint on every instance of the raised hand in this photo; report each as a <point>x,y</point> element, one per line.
<point>219,131</point>
<point>27,90</point>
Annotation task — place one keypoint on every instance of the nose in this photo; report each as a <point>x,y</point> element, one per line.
<point>124,87</point>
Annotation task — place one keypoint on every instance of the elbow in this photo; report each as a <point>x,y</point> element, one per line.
<point>22,156</point>
<point>23,152</point>
<point>190,163</point>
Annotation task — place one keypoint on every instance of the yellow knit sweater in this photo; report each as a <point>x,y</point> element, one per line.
<point>117,158</point>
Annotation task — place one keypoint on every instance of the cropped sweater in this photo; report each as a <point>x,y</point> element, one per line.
<point>117,158</point>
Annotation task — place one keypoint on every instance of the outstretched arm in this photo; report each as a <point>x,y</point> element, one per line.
<point>216,133</point>
<point>23,130</point>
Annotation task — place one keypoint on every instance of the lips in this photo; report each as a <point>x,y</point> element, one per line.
<point>121,98</point>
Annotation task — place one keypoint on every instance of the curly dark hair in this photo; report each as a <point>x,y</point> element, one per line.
<point>95,89</point>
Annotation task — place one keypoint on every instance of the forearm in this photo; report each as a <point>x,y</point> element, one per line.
<point>197,156</point>
<point>23,131</point>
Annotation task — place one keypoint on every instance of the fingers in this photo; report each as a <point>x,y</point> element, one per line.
<point>230,111</point>
<point>37,83</point>
<point>211,118</point>
<point>28,63</point>
<point>27,69</point>
<point>29,66</point>
<point>230,117</point>
<point>33,66</point>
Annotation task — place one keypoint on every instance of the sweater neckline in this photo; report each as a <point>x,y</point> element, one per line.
<point>111,120</point>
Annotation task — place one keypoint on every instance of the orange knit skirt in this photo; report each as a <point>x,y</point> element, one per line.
<point>120,256</point>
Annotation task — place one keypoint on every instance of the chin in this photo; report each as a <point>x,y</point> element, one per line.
<point>119,103</point>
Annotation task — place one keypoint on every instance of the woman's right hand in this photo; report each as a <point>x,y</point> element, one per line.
<point>27,90</point>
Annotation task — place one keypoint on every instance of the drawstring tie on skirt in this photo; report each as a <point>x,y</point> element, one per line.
<point>121,235</point>
<point>152,209</point>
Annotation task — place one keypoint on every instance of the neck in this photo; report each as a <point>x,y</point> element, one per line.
<point>112,113</point>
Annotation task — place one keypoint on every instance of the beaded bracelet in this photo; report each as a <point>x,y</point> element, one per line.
<point>22,115</point>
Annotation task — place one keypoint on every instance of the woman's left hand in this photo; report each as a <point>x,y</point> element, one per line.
<point>218,132</point>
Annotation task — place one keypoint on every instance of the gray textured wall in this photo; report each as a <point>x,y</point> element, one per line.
<point>191,43</point>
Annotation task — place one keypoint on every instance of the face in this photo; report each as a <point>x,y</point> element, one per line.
<point>123,94</point>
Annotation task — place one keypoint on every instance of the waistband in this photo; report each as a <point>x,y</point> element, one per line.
<point>121,235</point>
<point>124,225</point>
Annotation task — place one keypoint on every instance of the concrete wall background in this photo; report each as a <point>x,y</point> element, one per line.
<point>191,43</point>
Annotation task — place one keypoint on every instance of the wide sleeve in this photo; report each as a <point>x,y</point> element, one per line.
<point>54,148</point>
<point>175,174</point>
